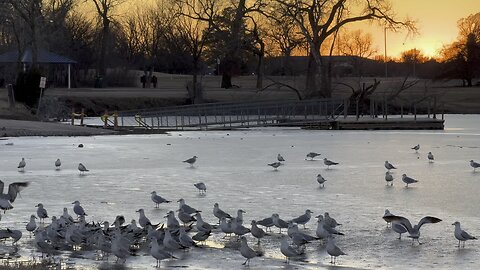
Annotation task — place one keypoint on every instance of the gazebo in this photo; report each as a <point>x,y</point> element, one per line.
<point>43,57</point>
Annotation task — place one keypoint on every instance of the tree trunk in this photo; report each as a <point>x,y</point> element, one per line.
<point>102,70</point>
<point>197,89</point>
<point>226,80</point>
<point>311,78</point>
<point>231,59</point>
<point>260,66</point>
<point>325,90</point>
<point>469,82</point>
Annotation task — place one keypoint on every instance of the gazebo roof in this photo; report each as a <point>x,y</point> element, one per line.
<point>43,57</point>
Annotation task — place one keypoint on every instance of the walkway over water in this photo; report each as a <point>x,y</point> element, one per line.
<point>316,113</point>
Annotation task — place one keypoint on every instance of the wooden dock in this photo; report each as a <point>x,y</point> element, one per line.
<point>389,124</point>
<point>325,114</point>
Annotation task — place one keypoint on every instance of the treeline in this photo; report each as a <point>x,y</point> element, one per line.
<point>226,37</point>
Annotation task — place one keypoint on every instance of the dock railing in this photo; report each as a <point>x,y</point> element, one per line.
<point>236,115</point>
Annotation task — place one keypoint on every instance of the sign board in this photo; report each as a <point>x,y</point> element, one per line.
<point>43,81</point>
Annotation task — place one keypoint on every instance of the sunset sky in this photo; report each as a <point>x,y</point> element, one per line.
<point>436,22</point>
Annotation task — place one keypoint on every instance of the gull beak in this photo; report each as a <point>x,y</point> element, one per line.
<point>453,223</point>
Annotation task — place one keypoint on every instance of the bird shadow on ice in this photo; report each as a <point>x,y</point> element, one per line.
<point>201,195</point>
<point>463,252</point>
<point>112,266</point>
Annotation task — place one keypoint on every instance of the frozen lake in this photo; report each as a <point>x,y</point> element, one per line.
<point>125,169</point>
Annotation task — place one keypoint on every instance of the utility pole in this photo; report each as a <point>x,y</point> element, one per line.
<point>385,56</point>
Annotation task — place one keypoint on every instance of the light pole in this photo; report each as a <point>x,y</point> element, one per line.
<point>385,56</point>
<point>414,60</point>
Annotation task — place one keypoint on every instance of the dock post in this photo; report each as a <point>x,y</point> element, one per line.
<point>11,96</point>
<point>73,116</point>
<point>428,109</point>
<point>82,114</point>
<point>372,114</point>
<point>115,120</point>
<point>356,109</point>
<point>401,110</point>
<point>415,111</point>
<point>386,107</point>
<point>345,108</point>
<point>443,111</point>
<point>434,109</point>
<point>105,119</point>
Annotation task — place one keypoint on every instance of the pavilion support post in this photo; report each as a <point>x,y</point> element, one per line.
<point>69,76</point>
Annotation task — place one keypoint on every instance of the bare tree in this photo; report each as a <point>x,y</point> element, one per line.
<point>30,11</point>
<point>319,20</point>
<point>105,10</point>
<point>227,20</point>
<point>283,35</point>
<point>194,34</point>
<point>358,45</point>
<point>462,58</point>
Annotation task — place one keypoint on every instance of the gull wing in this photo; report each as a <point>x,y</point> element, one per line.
<point>466,235</point>
<point>15,188</point>
<point>428,219</point>
<point>400,220</point>
<point>1,186</point>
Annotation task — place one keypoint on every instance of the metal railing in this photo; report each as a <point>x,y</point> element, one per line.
<point>236,115</point>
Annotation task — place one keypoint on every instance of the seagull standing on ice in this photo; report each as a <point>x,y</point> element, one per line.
<point>430,157</point>
<point>333,250</point>
<point>461,235</point>
<point>219,213</point>
<point>389,165</point>
<point>312,155</point>
<point>246,251</point>
<point>191,160</point>
<point>22,164</point>
<point>288,251</point>
<point>41,212</point>
<point>82,168</point>
<point>202,188</point>
<point>275,165</point>
<point>303,219</point>
<point>280,158</point>
<point>157,199</point>
<point>31,225</point>
<point>474,164</point>
<point>58,163</point>
<point>416,148</point>
<point>329,163</point>
<point>78,209</point>
<point>408,180</point>
<point>321,180</point>
<point>389,178</point>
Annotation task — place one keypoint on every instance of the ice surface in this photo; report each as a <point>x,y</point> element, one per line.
<point>233,165</point>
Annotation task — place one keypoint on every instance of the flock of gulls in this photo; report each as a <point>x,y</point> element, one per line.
<point>185,227</point>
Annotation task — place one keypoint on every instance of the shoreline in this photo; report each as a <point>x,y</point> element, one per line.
<point>21,128</point>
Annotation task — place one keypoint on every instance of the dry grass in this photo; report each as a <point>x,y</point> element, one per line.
<point>171,90</point>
